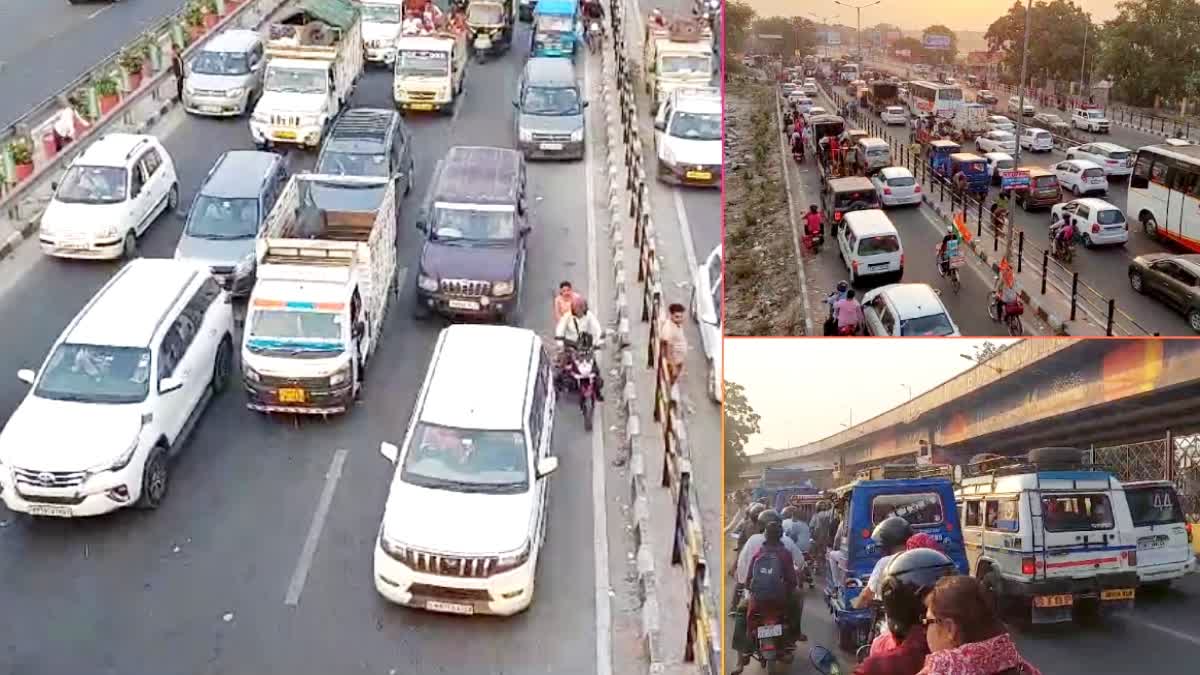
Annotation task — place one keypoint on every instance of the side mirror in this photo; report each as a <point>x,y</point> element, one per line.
<point>54,186</point>
<point>169,384</point>
<point>390,451</point>
<point>547,466</point>
<point>26,375</point>
<point>586,103</point>
<point>422,218</point>
<point>516,103</point>
<point>661,125</point>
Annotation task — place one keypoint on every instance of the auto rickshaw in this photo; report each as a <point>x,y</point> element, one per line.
<point>939,155</point>
<point>490,26</point>
<point>922,495</point>
<point>974,168</point>
<point>555,23</point>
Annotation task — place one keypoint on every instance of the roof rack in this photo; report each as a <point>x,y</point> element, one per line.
<point>893,471</point>
<point>363,123</point>
<point>1008,466</point>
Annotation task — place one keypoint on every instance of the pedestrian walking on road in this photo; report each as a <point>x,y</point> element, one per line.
<point>673,339</point>
<point>179,70</point>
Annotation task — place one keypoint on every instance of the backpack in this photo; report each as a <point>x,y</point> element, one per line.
<point>767,575</point>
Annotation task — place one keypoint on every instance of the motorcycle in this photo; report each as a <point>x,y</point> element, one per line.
<point>949,268</point>
<point>581,376</point>
<point>1063,251</point>
<point>1007,313</point>
<point>595,36</point>
<point>773,648</point>
<point>798,155</point>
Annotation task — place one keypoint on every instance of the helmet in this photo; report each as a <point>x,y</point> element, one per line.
<point>923,540</point>
<point>843,287</point>
<point>772,525</point>
<point>908,579</point>
<point>892,532</point>
<point>579,305</point>
<point>789,512</point>
<point>949,229</point>
<point>769,515</point>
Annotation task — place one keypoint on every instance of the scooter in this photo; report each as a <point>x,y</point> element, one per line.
<point>1062,251</point>
<point>581,378</point>
<point>772,647</point>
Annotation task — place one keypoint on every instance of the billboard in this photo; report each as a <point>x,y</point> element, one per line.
<point>833,38</point>
<point>937,42</point>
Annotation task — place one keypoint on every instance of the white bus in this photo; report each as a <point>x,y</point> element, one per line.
<point>1164,193</point>
<point>931,98</point>
<point>849,72</point>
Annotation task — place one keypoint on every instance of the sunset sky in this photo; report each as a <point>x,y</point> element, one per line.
<point>975,15</point>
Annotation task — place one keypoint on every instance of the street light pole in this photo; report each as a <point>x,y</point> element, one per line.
<point>858,11</point>
<point>1008,231</point>
<point>1083,61</point>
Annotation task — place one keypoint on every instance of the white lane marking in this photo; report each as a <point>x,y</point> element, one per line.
<point>314,530</point>
<point>599,499</point>
<point>400,277</point>
<point>689,248</point>
<point>99,12</point>
<point>1164,629</point>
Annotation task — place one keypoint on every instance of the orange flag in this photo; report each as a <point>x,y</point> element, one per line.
<point>960,223</point>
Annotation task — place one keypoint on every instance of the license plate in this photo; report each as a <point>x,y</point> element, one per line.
<point>1152,542</point>
<point>1053,600</point>
<point>291,396</point>
<point>288,135</point>
<point>551,146</point>
<point>50,510</point>
<point>421,106</point>
<point>770,631</point>
<point>463,304</point>
<point>210,109</point>
<point>699,175</point>
<point>75,245</point>
<point>449,607</point>
<point>1117,594</point>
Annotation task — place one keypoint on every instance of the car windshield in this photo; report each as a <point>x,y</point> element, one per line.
<point>1095,114</point>
<point>1077,512</point>
<point>878,152</point>
<point>696,126</point>
<point>902,181</point>
<point>1115,154</point>
<point>895,111</point>
<point>1052,119</point>
<point>220,63</point>
<point>927,326</point>
<point>296,80</point>
<point>1045,182</point>
<point>878,245</point>
<point>471,225</point>
<point>96,374</point>
<point>467,460</point>
<point>554,101</point>
<point>218,218</point>
<point>1042,135</point>
<point>1093,173</point>
<point>1110,217</point>
<point>423,64</point>
<point>92,185</point>
<point>682,65</point>
<point>867,198</point>
<point>381,13</point>
<point>295,332</point>
<point>1002,136</point>
<point>554,23</point>
<point>485,14</point>
<point>354,164</point>
<point>1005,163</point>
<point>1153,506</point>
<point>918,508</point>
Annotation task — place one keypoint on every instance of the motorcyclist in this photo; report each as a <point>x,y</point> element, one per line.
<point>797,529</point>
<point>910,576</point>
<point>1004,292</point>
<point>771,540</point>
<point>849,314</point>
<point>573,329</point>
<point>798,143</point>
<point>1062,233</point>
<point>814,224</point>
<point>947,249</point>
<point>891,535</point>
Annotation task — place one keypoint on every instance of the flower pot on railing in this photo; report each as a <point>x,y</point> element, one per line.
<point>211,20</point>
<point>133,64</point>
<point>22,158</point>
<point>211,14</point>
<point>108,93</point>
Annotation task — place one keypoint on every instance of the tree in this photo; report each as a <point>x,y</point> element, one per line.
<point>1056,39</point>
<point>1152,49</point>
<point>741,422</point>
<point>739,17</point>
<point>944,55</point>
<point>914,46</point>
<point>987,351</point>
<point>798,34</point>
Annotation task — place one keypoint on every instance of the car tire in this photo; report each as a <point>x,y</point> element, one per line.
<point>129,248</point>
<point>1137,283</point>
<point>155,479</point>
<point>222,367</point>
<point>1193,319</point>
<point>1150,226</point>
<point>420,310</point>
<point>1087,241</point>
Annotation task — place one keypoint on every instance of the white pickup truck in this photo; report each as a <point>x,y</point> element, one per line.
<point>326,276</point>
<point>314,57</point>
<point>431,71</point>
<point>678,55</point>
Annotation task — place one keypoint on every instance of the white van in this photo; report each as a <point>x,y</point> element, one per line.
<point>477,453</point>
<point>870,245</point>
<point>1014,102</point>
<point>1164,537</point>
<point>1036,140</point>
<point>1047,534</point>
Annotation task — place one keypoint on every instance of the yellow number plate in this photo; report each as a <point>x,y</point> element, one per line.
<point>289,135</point>
<point>1053,600</point>
<point>291,396</point>
<point>699,175</point>
<point>1117,594</point>
<point>421,106</point>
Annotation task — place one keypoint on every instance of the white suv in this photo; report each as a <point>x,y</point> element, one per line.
<point>688,137</point>
<point>121,390</point>
<point>111,194</point>
<point>476,454</point>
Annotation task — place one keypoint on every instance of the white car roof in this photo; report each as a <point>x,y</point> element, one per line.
<point>894,108</point>
<point>998,156</point>
<point>870,223</point>
<point>234,41</point>
<point>910,300</point>
<point>891,172</point>
<point>1000,133</point>
<point>1083,163</point>
<point>112,150</point>
<point>478,369</point>
<point>1105,145</point>
<point>1095,203</point>
<point>131,307</point>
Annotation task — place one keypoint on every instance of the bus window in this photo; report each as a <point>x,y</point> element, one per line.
<point>1158,172</point>
<point>1183,181</point>
<point>1141,171</point>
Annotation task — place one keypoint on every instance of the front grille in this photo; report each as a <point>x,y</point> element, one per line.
<point>466,287</point>
<point>222,270</point>
<point>66,500</point>
<point>421,95</point>
<point>285,120</point>
<point>551,138</point>
<point>448,566</point>
<point>444,593</point>
<point>49,479</point>
<point>294,382</point>
<point>212,93</point>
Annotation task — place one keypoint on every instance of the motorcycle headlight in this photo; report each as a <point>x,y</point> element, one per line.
<point>427,283</point>
<point>577,135</point>
<point>525,135</point>
<point>340,376</point>
<point>502,288</point>
<point>513,560</point>
<point>236,92</point>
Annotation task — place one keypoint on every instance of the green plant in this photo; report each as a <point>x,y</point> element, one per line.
<point>208,6</point>
<point>135,56</point>
<point>79,101</point>
<point>106,86</point>
<point>22,151</point>
<point>193,16</point>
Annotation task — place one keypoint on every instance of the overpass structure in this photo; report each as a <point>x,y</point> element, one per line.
<point>1135,402</point>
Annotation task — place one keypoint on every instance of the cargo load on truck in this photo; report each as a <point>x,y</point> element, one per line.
<point>326,276</point>
<point>677,53</point>
<point>314,57</point>
<point>882,94</point>
<point>431,63</point>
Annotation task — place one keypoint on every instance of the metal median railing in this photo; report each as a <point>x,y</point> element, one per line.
<point>703,645</point>
<point>969,212</point>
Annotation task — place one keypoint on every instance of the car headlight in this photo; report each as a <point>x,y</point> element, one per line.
<point>251,374</point>
<point>109,231</point>
<point>392,547</point>
<point>310,120</point>
<point>236,92</point>
<point>261,118</point>
<point>502,288</point>
<point>513,560</point>
<point>577,135</point>
<point>667,157</point>
<point>526,135</point>
<point>119,463</point>
<point>188,89</point>
<point>427,283</point>
<point>340,376</point>
<point>244,265</point>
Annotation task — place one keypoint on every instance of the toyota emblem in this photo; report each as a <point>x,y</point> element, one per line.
<point>46,478</point>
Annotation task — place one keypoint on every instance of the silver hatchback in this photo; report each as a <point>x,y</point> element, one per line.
<point>225,77</point>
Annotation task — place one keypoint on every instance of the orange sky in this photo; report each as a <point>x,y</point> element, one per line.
<point>908,14</point>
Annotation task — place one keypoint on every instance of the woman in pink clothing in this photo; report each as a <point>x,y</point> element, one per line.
<point>965,634</point>
<point>849,314</point>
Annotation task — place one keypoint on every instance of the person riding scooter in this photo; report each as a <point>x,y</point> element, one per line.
<point>579,328</point>
<point>814,224</point>
<point>768,570</point>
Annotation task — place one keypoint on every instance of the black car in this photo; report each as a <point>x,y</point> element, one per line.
<point>843,195</point>
<point>1173,279</point>
<point>371,142</point>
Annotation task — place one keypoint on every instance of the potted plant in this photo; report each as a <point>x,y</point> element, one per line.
<point>79,101</point>
<point>108,92</point>
<point>209,9</point>
<point>22,157</point>
<point>133,62</point>
<point>193,18</point>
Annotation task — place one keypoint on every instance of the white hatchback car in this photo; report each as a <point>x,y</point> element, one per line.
<point>707,290</point>
<point>1034,139</point>
<point>893,114</point>
<point>1081,177</point>
<point>996,141</point>
<point>1000,123</point>
<point>906,310</point>
<point>810,89</point>
<point>109,196</point>
<point>801,102</point>
<point>119,394</point>
<point>1114,159</point>
<point>896,186</point>
<point>1098,222</point>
